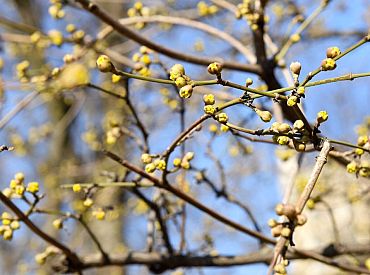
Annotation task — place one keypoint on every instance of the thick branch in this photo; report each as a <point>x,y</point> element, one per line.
<point>102,15</point>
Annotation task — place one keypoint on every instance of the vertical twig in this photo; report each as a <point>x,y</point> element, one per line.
<point>300,204</point>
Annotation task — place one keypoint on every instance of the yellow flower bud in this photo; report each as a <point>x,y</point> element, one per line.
<point>286,232</point>
<point>298,125</point>
<point>301,219</point>
<point>160,164</point>
<point>33,187</point>
<point>40,258</point>
<point>99,214</point>
<point>19,190</point>
<point>58,224</point>
<point>301,91</point>
<point>145,59</point>
<point>332,52</point>
<point>224,128</point>
<point>295,38</point>
<point>180,82</point>
<point>283,128</point>
<point>362,140</point>
<point>104,64</point>
<point>248,81</point>
<point>185,164</point>
<point>276,230</point>
<point>265,116</point>
<point>295,68</point>
<point>328,64</point>
<point>209,99</point>
<point>76,188</point>
<point>292,100</point>
<point>322,116</point>
<point>367,263</point>
<point>212,9</point>
<point>215,68</point>
<point>213,128</point>
<point>186,91</point>
<point>116,78</point>
<point>88,202</point>
<point>70,28</point>
<point>15,225</point>
<point>150,168</point>
<point>8,235</point>
<point>176,71</point>
<point>272,223</point>
<point>131,12</point>
<point>138,6</point>
<point>56,37</point>
<point>311,204</point>
<point>283,140</point>
<point>222,117</point>
<point>209,109</point>
<point>78,35</point>
<point>146,158</point>
<point>19,177</point>
<point>177,162</point>
<point>189,156</point>
<point>364,172</point>
<point>280,268</point>
<point>53,10</point>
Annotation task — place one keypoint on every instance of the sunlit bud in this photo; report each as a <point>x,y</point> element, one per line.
<point>150,168</point>
<point>286,232</point>
<point>248,81</point>
<point>328,64</point>
<point>104,64</point>
<point>295,68</point>
<point>283,140</point>
<point>265,116</point>
<point>180,82</point>
<point>58,224</point>
<point>186,91</point>
<point>301,91</point>
<point>176,71</point>
<point>292,100</point>
<point>76,188</point>
<point>88,202</point>
<point>332,52</point>
<point>298,125</point>
<point>283,128</point>
<point>322,116</point>
<point>215,68</point>
<point>146,158</point>
<point>301,219</point>
<point>40,258</point>
<point>209,99</point>
<point>222,117</point>
<point>209,109</point>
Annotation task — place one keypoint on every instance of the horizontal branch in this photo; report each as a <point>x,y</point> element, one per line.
<point>125,31</point>
<point>159,263</point>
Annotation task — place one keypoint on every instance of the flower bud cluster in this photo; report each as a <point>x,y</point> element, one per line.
<point>204,9</point>
<point>182,81</point>
<point>143,61</point>
<point>153,163</point>
<point>184,162</point>
<point>138,9</point>
<point>9,225</point>
<point>17,187</point>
